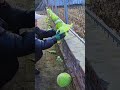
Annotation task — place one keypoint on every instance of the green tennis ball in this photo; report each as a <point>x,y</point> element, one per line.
<point>65,28</point>
<point>58,25</point>
<point>64,79</point>
<point>54,17</point>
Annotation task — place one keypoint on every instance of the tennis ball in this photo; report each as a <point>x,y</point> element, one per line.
<point>64,79</point>
<point>58,25</point>
<point>65,28</point>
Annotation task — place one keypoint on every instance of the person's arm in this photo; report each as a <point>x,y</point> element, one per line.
<point>48,42</point>
<point>21,46</point>
<point>17,18</point>
<point>44,44</point>
<point>44,34</point>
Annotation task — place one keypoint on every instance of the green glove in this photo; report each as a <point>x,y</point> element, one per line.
<point>59,36</point>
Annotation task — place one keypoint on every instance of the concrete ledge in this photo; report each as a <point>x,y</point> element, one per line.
<point>73,51</point>
<point>77,48</point>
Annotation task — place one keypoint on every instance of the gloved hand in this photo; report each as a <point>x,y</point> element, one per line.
<point>52,31</point>
<point>59,36</point>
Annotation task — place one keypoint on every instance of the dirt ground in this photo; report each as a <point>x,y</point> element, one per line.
<point>49,69</point>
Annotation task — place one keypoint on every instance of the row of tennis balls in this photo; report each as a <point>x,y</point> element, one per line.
<point>60,25</point>
<point>63,79</point>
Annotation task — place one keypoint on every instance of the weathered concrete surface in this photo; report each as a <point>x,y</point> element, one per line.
<point>103,54</point>
<point>77,48</point>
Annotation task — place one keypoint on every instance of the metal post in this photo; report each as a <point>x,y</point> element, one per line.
<point>56,11</point>
<point>52,7</point>
<point>66,11</point>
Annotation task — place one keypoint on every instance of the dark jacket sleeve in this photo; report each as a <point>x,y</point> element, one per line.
<point>45,44</point>
<point>17,18</point>
<point>42,45</point>
<point>44,34</point>
<point>16,44</point>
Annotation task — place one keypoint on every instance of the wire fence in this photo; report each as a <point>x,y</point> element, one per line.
<point>70,11</point>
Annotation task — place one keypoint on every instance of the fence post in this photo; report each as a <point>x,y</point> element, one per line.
<point>52,7</point>
<point>56,11</point>
<point>66,11</point>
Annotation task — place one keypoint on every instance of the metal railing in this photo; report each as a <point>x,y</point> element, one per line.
<point>104,27</point>
<point>81,39</point>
